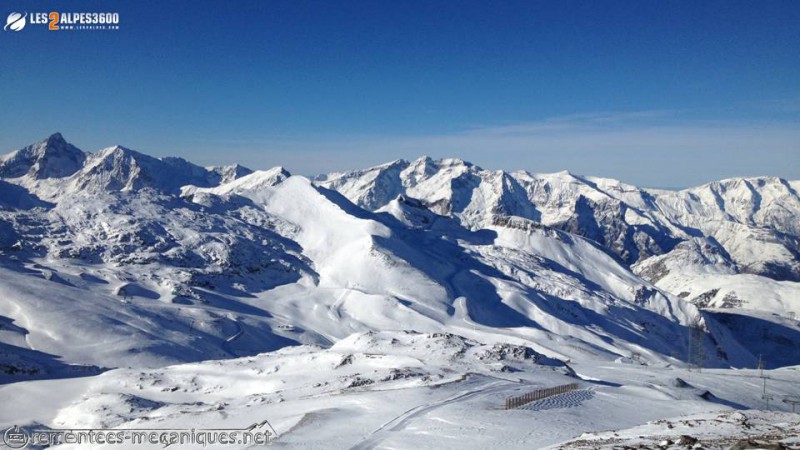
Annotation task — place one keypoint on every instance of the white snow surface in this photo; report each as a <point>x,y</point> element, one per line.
<point>393,307</point>
<point>409,390</point>
<point>755,220</point>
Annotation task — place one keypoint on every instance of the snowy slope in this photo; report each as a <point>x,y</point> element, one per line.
<point>410,390</point>
<point>268,259</point>
<point>385,307</point>
<point>754,219</point>
<point>700,271</point>
<point>252,181</point>
<point>739,429</point>
<point>732,243</point>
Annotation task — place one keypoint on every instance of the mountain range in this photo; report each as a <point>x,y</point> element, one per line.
<point>120,259</point>
<point>399,306</point>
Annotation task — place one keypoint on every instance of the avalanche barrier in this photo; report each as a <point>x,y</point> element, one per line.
<point>524,399</point>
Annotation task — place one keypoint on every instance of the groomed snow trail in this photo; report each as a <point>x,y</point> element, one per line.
<point>400,422</point>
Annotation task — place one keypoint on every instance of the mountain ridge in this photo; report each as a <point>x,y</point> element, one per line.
<point>262,259</point>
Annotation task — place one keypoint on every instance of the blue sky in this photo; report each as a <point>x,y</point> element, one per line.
<point>658,93</point>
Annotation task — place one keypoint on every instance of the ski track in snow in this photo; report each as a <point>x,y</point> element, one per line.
<point>389,292</point>
<point>402,420</point>
<point>226,344</point>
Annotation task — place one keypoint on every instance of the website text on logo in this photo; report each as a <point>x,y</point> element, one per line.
<point>62,21</point>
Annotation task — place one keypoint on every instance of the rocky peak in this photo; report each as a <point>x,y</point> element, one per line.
<point>53,157</point>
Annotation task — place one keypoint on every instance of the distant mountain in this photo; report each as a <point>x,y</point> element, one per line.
<point>701,271</point>
<point>51,158</point>
<point>121,169</point>
<point>229,172</point>
<point>164,261</point>
<point>727,244</point>
<point>754,222</point>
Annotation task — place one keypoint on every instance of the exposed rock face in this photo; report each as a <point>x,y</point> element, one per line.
<point>121,169</point>
<point>753,221</point>
<point>230,172</point>
<point>51,158</point>
<point>447,242</point>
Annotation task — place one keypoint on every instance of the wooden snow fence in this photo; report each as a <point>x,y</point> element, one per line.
<point>524,399</point>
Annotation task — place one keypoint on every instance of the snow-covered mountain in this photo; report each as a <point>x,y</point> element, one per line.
<point>256,260</point>
<point>752,223</point>
<point>268,258</point>
<point>457,285</point>
<point>51,158</point>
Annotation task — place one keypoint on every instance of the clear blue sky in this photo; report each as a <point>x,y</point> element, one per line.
<point>659,93</point>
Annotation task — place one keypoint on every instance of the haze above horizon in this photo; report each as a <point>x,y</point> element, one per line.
<point>652,93</point>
